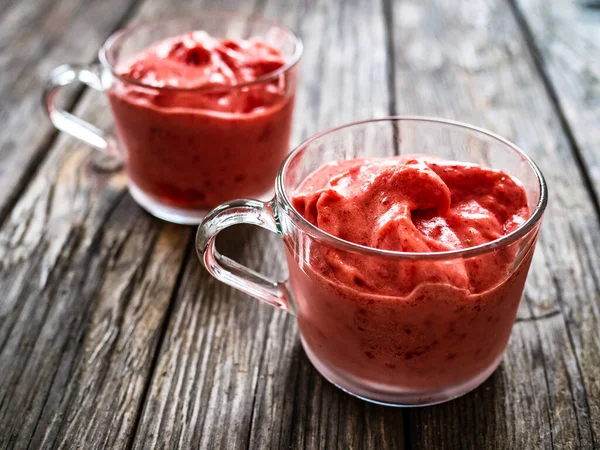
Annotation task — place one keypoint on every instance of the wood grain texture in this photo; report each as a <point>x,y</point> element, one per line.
<point>35,37</point>
<point>470,62</point>
<point>231,372</point>
<point>565,37</point>
<point>86,280</point>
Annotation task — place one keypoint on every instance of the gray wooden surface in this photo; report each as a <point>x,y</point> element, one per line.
<point>111,334</point>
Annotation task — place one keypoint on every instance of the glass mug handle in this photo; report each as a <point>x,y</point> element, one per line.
<point>62,76</point>
<point>234,274</point>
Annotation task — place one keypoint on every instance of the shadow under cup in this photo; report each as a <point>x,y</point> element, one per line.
<point>393,327</point>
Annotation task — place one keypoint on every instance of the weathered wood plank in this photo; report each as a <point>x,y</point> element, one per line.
<point>86,281</point>
<point>231,372</point>
<point>36,36</point>
<point>470,62</point>
<point>565,37</point>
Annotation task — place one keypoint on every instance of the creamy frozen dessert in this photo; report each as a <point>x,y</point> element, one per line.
<point>201,119</point>
<point>400,324</point>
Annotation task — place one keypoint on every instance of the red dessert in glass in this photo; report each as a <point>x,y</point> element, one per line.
<point>412,326</point>
<point>405,272</point>
<point>203,120</point>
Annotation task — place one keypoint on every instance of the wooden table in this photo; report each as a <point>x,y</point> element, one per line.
<point>113,336</point>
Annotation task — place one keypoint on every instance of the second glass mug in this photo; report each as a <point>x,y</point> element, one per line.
<point>435,343</point>
<point>181,158</point>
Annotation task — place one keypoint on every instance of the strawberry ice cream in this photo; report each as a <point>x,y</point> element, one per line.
<point>409,326</point>
<point>201,119</point>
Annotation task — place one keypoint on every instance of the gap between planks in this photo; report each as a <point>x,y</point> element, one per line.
<point>538,59</point>
<point>189,250</point>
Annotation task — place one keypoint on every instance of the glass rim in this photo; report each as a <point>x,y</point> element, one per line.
<point>324,237</point>
<point>124,32</point>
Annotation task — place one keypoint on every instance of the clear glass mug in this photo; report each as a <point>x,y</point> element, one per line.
<point>181,158</point>
<point>436,342</point>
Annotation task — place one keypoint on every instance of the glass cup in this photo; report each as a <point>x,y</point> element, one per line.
<point>181,156</point>
<point>424,339</point>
